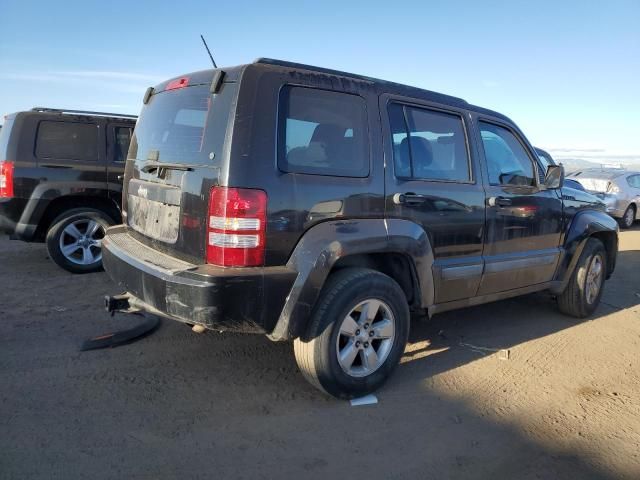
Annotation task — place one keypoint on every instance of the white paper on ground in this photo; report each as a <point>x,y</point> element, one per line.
<point>366,400</point>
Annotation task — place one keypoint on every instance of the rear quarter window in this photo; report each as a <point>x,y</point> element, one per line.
<point>322,132</point>
<point>67,140</point>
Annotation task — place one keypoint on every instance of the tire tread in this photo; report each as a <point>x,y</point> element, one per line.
<point>309,349</point>
<point>572,301</point>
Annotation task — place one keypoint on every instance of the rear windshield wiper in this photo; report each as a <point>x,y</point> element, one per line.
<point>153,166</point>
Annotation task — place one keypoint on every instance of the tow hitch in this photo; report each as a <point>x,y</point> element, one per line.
<point>123,303</point>
<point>117,303</point>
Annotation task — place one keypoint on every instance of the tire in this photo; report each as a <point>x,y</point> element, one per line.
<point>87,257</point>
<point>628,218</point>
<point>577,299</point>
<point>344,293</point>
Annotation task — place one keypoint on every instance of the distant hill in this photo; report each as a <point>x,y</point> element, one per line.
<point>574,164</point>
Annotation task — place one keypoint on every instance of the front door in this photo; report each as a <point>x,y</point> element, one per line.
<point>432,179</point>
<point>524,220</point>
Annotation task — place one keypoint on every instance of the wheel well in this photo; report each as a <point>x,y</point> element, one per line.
<point>61,204</point>
<point>395,265</point>
<point>610,242</point>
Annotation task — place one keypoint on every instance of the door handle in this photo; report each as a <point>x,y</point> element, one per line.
<point>409,199</point>
<point>499,201</point>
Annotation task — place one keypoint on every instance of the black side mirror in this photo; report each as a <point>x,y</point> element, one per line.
<point>554,178</point>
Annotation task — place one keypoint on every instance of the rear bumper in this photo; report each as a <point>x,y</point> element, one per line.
<point>237,299</point>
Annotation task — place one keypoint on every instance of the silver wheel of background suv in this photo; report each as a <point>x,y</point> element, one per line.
<point>74,240</point>
<point>81,241</point>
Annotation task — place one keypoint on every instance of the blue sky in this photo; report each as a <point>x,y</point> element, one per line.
<point>567,72</point>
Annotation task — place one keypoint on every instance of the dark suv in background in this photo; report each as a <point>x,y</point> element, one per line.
<point>322,207</point>
<point>61,180</point>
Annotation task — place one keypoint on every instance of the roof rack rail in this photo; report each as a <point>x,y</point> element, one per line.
<point>283,63</point>
<point>82,112</point>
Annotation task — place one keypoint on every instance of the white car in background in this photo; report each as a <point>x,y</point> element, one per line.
<point>617,187</point>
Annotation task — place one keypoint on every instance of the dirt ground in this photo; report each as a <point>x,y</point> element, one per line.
<point>565,404</point>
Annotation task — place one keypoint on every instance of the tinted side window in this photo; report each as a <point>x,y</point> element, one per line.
<point>121,145</point>
<point>67,140</point>
<point>507,160</point>
<point>634,181</point>
<point>428,144</point>
<point>323,133</point>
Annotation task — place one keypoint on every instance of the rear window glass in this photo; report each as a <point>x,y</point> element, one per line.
<point>323,133</point>
<point>185,125</point>
<point>67,141</point>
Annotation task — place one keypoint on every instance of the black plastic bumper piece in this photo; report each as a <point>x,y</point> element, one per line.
<point>237,299</point>
<point>122,337</point>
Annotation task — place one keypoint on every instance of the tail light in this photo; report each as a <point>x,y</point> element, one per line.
<point>236,227</point>
<point>6,179</point>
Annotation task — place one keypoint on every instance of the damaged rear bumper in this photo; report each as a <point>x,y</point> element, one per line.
<point>237,299</point>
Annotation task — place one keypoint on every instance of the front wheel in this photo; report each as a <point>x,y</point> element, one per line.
<point>583,293</point>
<point>357,333</point>
<point>74,241</point>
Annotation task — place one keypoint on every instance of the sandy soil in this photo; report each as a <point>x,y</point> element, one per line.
<point>565,404</point>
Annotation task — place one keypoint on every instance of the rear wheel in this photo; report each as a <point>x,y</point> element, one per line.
<point>629,217</point>
<point>74,241</point>
<point>357,333</point>
<point>583,293</point>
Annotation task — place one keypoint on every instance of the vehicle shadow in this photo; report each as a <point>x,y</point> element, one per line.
<point>505,324</point>
<point>177,404</point>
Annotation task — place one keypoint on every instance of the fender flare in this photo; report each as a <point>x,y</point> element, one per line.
<point>584,225</point>
<point>323,245</point>
<point>44,194</point>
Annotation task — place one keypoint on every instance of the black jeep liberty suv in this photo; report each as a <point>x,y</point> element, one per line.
<point>323,207</point>
<point>61,180</point>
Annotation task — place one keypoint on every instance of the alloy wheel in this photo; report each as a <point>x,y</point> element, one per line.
<point>365,338</point>
<point>593,282</point>
<point>81,241</point>
<point>629,217</point>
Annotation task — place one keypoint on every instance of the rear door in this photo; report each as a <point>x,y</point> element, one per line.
<point>524,220</point>
<point>432,179</point>
<point>67,148</point>
<point>177,151</point>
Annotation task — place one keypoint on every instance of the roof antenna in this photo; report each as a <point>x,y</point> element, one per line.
<point>208,51</point>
